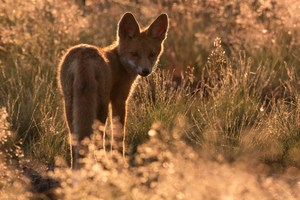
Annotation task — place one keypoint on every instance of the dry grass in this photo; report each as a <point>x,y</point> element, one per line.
<point>225,99</point>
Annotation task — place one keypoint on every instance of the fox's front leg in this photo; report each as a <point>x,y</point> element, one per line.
<point>118,121</point>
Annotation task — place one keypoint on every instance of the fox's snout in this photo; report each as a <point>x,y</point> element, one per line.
<point>145,72</point>
<point>142,69</point>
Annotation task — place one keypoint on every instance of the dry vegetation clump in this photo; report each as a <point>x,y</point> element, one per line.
<point>223,107</point>
<point>166,168</point>
<point>13,185</point>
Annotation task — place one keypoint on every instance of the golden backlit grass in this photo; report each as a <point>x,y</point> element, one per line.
<point>226,89</point>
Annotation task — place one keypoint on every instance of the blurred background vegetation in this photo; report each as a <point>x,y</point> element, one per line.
<point>229,71</point>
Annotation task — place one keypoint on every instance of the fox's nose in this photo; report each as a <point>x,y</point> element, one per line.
<point>145,72</point>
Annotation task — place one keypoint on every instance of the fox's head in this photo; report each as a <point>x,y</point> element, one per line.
<point>139,50</point>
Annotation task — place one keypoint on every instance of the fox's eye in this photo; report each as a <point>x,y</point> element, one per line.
<point>134,54</point>
<point>152,54</point>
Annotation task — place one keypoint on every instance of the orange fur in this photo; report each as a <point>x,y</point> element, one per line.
<point>91,78</point>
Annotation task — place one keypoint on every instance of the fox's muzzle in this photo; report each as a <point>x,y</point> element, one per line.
<point>145,72</point>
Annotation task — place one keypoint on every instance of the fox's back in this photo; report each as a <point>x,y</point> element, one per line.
<point>84,63</point>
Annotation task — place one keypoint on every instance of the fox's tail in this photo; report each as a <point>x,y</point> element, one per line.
<point>84,101</point>
<point>83,107</point>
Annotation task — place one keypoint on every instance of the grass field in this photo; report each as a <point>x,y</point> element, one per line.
<point>222,109</point>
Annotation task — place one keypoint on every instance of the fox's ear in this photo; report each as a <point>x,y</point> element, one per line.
<point>128,26</point>
<point>158,29</point>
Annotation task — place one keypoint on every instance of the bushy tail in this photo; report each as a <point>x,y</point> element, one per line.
<point>84,104</point>
<point>84,108</point>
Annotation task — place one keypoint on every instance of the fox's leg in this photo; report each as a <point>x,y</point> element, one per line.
<point>68,115</point>
<point>119,110</point>
<point>68,112</point>
<point>102,110</point>
<point>102,113</point>
<point>118,121</point>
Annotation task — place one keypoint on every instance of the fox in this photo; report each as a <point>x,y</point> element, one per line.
<point>95,80</point>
